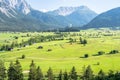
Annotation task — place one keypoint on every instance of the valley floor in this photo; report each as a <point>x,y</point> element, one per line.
<point>64,55</point>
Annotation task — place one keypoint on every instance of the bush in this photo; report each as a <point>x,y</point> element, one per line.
<point>40,47</point>
<point>23,56</point>
<point>49,50</point>
<point>113,52</point>
<point>9,49</point>
<point>16,37</point>
<point>101,52</point>
<point>98,63</point>
<point>86,55</point>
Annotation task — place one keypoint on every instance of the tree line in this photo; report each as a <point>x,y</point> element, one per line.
<point>38,39</point>
<point>32,40</point>
<point>15,72</point>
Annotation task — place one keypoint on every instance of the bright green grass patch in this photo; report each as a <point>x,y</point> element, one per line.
<point>65,55</point>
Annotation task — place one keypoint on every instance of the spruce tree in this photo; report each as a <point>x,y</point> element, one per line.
<point>73,74</point>
<point>81,41</point>
<point>111,75</point>
<point>18,69</point>
<point>60,75</point>
<point>2,71</point>
<point>117,76</point>
<point>32,71</point>
<point>11,72</point>
<point>50,74</point>
<point>84,42</point>
<point>39,74</point>
<point>66,77</point>
<point>100,76</point>
<point>88,74</point>
<point>15,71</point>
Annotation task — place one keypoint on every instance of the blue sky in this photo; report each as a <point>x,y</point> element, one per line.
<point>98,6</point>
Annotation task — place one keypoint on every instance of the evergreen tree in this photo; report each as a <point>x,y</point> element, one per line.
<point>11,72</point>
<point>88,74</point>
<point>73,74</point>
<point>81,41</point>
<point>100,76</point>
<point>2,70</point>
<point>3,47</point>
<point>32,71</point>
<point>117,76</point>
<point>84,42</point>
<point>71,40</point>
<point>18,69</point>
<point>50,74</point>
<point>39,75</point>
<point>111,75</point>
<point>15,71</point>
<point>66,77</point>
<point>60,75</point>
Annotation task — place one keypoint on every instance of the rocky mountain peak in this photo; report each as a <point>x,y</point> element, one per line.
<point>8,6</point>
<point>64,11</point>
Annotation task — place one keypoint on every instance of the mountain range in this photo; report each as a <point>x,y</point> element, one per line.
<point>77,16</point>
<point>18,15</point>
<point>108,19</point>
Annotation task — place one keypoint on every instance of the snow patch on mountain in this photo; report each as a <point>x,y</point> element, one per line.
<point>9,7</point>
<point>64,11</point>
<point>7,12</point>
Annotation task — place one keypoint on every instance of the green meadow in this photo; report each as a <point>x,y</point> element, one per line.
<point>65,55</point>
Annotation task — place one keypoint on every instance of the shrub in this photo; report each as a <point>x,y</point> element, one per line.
<point>49,50</point>
<point>24,45</point>
<point>16,37</point>
<point>98,63</point>
<point>9,49</point>
<point>101,52</point>
<point>23,56</point>
<point>40,47</point>
<point>86,55</point>
<point>113,52</point>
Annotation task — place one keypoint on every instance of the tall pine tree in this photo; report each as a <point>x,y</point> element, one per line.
<point>39,74</point>
<point>100,76</point>
<point>73,74</point>
<point>50,74</point>
<point>15,71</point>
<point>2,71</point>
<point>32,71</point>
<point>19,72</point>
<point>88,74</point>
<point>11,71</point>
<point>66,77</point>
<point>60,75</point>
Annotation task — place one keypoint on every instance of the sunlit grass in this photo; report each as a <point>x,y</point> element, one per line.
<point>65,55</point>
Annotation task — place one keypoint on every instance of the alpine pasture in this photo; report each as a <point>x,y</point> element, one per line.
<point>64,54</point>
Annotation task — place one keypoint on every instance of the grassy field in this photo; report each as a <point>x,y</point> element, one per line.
<point>65,55</point>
